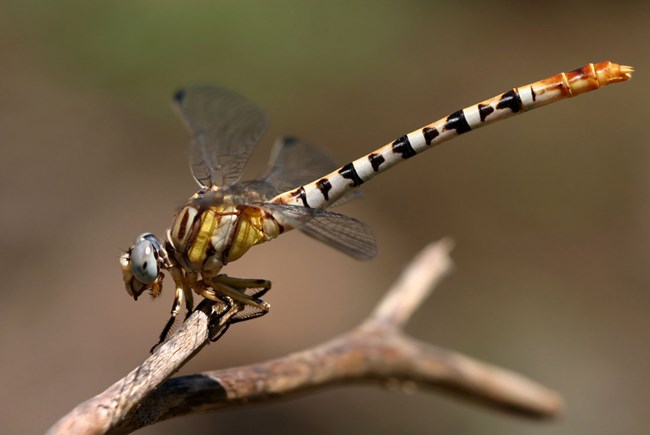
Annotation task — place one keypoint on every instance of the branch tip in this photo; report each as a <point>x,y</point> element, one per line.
<point>414,285</point>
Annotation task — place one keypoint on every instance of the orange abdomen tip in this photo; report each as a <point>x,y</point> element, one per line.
<point>609,72</point>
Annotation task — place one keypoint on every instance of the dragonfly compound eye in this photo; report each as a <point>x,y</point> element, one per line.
<point>144,264</point>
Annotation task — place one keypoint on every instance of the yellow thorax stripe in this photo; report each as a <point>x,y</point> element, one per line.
<point>199,247</point>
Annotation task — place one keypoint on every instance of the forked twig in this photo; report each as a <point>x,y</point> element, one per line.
<point>376,351</point>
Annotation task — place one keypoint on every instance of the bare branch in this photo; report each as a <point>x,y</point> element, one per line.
<point>365,355</point>
<point>108,409</point>
<point>414,285</point>
<point>377,351</point>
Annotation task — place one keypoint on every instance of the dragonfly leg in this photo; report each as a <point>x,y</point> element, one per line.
<point>183,295</point>
<point>260,286</point>
<point>185,283</point>
<point>176,307</point>
<point>229,304</point>
<point>235,290</point>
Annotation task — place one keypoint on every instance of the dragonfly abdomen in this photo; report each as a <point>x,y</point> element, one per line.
<point>326,190</point>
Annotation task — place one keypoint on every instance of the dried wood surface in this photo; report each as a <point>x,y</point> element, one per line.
<point>377,351</point>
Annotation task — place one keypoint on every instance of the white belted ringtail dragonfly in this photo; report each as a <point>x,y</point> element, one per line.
<point>226,217</point>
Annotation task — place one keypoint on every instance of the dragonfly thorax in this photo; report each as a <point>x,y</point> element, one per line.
<point>212,230</point>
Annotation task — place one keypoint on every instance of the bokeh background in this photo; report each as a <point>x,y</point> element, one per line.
<point>549,211</point>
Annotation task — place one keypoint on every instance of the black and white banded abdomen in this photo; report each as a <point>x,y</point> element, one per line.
<point>326,190</point>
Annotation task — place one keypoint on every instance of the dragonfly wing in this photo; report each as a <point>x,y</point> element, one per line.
<point>353,194</point>
<point>225,128</point>
<point>294,163</point>
<point>339,231</point>
<point>344,233</point>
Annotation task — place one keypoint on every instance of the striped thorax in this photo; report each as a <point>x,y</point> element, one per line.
<point>213,229</point>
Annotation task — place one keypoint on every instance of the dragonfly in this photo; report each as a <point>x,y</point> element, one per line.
<point>226,216</point>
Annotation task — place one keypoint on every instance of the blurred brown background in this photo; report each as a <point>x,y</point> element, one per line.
<point>549,211</point>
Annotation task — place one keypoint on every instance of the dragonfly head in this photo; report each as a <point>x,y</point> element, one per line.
<point>141,265</point>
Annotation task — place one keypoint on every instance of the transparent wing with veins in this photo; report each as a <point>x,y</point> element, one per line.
<point>225,128</point>
<point>294,163</point>
<point>339,231</point>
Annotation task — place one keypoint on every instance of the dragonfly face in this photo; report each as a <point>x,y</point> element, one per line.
<point>141,266</point>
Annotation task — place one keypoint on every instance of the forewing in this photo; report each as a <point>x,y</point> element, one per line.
<point>294,163</point>
<point>341,232</point>
<point>225,128</point>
